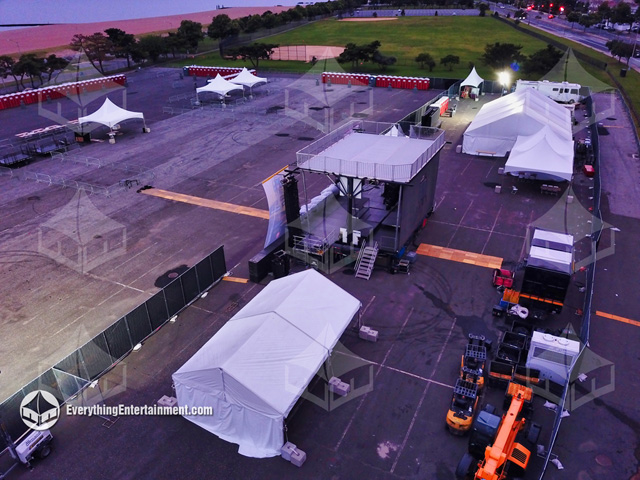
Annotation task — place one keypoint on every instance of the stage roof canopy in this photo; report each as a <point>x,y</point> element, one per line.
<point>360,154</point>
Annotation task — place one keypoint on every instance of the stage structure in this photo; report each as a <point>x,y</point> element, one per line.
<point>383,180</point>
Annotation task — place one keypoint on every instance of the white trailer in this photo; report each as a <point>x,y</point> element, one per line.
<point>563,92</point>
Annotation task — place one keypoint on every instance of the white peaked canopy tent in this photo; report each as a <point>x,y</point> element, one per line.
<point>247,79</point>
<point>498,124</point>
<point>259,363</point>
<point>110,114</point>
<point>218,85</point>
<point>473,81</point>
<point>543,154</point>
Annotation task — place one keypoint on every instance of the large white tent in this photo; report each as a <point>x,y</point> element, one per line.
<point>498,124</point>
<point>110,114</point>
<point>218,85</point>
<point>543,154</point>
<point>255,368</point>
<point>247,79</point>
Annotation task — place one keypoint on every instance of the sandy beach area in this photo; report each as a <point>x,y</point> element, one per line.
<point>15,42</point>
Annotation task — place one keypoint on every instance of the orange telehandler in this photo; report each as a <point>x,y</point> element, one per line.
<point>503,457</point>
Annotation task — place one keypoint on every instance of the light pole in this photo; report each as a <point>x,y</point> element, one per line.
<point>17,44</point>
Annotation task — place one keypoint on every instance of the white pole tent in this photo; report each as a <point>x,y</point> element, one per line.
<point>110,114</point>
<point>542,154</point>
<point>219,86</point>
<point>471,84</point>
<point>498,124</point>
<point>247,79</point>
<point>259,363</point>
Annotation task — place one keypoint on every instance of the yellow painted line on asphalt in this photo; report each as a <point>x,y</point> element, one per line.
<point>459,256</point>
<point>614,126</point>
<point>235,279</point>
<point>205,202</point>
<point>618,318</point>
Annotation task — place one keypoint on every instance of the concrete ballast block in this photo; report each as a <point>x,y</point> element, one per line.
<point>298,457</point>
<point>498,188</point>
<point>339,387</point>
<point>166,401</point>
<point>286,451</point>
<point>368,334</point>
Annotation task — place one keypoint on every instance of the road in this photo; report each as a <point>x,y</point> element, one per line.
<point>594,38</point>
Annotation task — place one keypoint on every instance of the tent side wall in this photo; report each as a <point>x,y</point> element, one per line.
<point>474,144</point>
<point>258,435</point>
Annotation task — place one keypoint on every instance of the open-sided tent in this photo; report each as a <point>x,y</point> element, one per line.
<point>498,124</point>
<point>255,368</point>
<point>471,84</point>
<point>110,114</point>
<point>544,154</point>
<point>218,85</point>
<point>247,79</point>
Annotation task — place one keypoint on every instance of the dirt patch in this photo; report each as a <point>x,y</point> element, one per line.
<point>369,19</point>
<point>304,53</point>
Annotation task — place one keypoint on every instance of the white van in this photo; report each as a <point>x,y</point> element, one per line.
<point>563,92</point>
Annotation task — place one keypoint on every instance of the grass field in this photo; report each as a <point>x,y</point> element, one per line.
<point>407,37</point>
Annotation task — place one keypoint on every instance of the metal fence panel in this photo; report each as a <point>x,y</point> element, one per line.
<point>95,355</point>
<point>205,274</point>
<point>218,263</point>
<point>174,296</point>
<point>190,288</point>
<point>118,340</point>
<point>73,365</point>
<point>157,308</point>
<point>138,323</point>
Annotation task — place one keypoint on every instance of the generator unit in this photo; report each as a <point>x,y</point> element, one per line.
<point>552,356</point>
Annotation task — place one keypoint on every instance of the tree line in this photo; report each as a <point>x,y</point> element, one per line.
<point>116,43</point>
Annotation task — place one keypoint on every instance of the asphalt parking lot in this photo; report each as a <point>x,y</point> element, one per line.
<point>395,429</point>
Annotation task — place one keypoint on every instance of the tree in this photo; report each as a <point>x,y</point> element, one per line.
<point>620,49</point>
<point>358,53</point>
<point>254,52</point>
<point>542,61</point>
<point>6,68</point>
<point>501,55</point>
<point>269,20</point>
<point>588,20</point>
<point>621,14</point>
<point>29,65</point>
<point>53,64</point>
<point>190,33</point>
<point>254,23</point>
<point>96,47</point>
<point>483,7</point>
<point>221,28</point>
<point>152,47</point>
<point>573,17</point>
<point>122,43</point>
<point>383,60</point>
<point>450,61</point>
<point>604,10</point>
<point>175,43</point>
<point>425,59</point>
